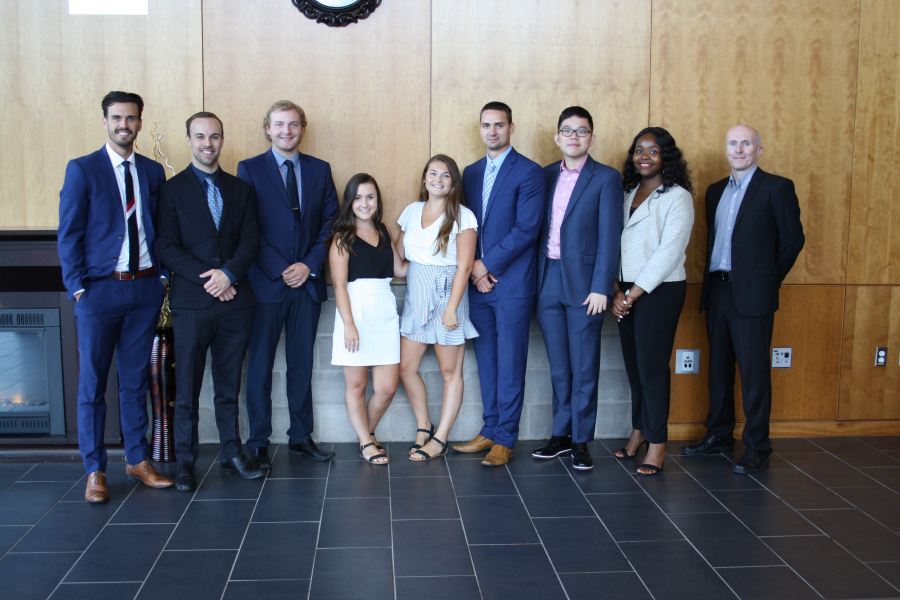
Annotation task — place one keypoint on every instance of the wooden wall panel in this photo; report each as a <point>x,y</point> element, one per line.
<point>875,205</point>
<point>539,57</point>
<point>56,69</point>
<point>364,88</point>
<point>787,68</point>
<point>871,319</point>
<point>809,322</point>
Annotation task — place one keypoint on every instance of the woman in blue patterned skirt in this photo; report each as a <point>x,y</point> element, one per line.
<point>438,238</point>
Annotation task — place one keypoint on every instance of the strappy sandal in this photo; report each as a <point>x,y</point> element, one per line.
<point>625,454</point>
<point>374,457</point>
<point>377,445</point>
<point>430,433</point>
<point>420,452</point>
<point>654,470</point>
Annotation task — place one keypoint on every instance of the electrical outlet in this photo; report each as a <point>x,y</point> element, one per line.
<point>687,361</point>
<point>880,357</point>
<point>781,358</point>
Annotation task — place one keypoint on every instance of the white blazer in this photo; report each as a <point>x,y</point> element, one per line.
<point>655,237</point>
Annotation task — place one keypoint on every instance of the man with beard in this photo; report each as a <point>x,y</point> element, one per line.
<point>107,250</point>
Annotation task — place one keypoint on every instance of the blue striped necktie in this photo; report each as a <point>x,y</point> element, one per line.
<point>486,192</point>
<point>214,199</point>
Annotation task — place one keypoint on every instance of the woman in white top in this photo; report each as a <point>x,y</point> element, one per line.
<point>366,329</point>
<point>651,287</point>
<point>438,238</point>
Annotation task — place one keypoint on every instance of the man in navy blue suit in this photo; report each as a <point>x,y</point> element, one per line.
<point>579,254</point>
<point>297,202</point>
<point>505,190</point>
<point>107,249</point>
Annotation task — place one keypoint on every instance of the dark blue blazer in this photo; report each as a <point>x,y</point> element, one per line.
<point>766,240</point>
<point>511,226</point>
<point>591,231</point>
<point>190,244</point>
<point>92,218</point>
<point>277,235</point>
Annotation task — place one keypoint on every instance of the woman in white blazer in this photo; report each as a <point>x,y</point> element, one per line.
<point>651,287</point>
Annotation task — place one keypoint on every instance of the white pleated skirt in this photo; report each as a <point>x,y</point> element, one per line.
<point>374,310</point>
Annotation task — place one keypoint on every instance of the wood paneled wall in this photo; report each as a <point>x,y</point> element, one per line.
<point>818,78</point>
<point>55,70</point>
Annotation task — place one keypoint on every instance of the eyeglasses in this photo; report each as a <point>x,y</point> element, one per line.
<point>568,131</point>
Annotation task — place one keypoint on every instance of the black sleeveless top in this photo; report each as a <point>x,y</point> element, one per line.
<point>368,262</point>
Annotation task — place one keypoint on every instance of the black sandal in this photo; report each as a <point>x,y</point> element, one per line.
<point>444,450</point>
<point>374,457</point>
<point>653,468</point>
<point>377,445</point>
<point>430,433</point>
<point>625,454</point>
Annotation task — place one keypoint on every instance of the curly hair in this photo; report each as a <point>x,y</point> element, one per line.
<point>343,230</point>
<point>674,168</point>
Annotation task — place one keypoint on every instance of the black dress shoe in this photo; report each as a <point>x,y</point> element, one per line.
<point>558,444</point>
<point>581,458</point>
<point>184,478</point>
<point>243,468</point>
<point>260,458</point>
<point>309,449</point>
<point>709,444</point>
<point>752,462</point>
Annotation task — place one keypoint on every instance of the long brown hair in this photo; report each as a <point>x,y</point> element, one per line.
<point>455,198</point>
<point>343,231</point>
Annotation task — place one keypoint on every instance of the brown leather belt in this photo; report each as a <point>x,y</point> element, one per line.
<point>128,275</point>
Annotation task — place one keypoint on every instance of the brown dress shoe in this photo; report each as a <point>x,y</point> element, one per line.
<point>96,488</point>
<point>144,472</point>
<point>499,455</point>
<point>479,444</point>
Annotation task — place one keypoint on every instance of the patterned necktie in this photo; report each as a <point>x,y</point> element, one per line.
<point>486,192</point>
<point>134,253</point>
<point>214,200</point>
<point>290,183</point>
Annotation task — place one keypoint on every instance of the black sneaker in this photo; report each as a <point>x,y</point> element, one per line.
<point>558,444</point>
<point>581,458</point>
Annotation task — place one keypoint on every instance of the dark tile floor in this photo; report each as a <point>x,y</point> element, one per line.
<point>821,522</point>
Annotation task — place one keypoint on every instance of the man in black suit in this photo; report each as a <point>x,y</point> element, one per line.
<point>208,238</point>
<point>754,237</point>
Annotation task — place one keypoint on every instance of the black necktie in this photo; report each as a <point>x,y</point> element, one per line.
<point>134,253</point>
<point>291,184</point>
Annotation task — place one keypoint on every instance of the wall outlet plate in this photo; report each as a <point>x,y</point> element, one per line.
<point>781,358</point>
<point>687,361</point>
<point>880,357</point>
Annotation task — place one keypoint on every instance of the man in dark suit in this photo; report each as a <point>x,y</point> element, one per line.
<point>297,202</point>
<point>754,237</point>
<point>505,190</point>
<point>208,237</point>
<point>107,249</point>
<point>579,253</point>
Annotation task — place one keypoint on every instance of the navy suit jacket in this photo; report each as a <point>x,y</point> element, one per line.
<point>92,218</point>
<point>277,226</point>
<point>190,244</point>
<point>590,234</point>
<point>765,242</point>
<point>508,235</point>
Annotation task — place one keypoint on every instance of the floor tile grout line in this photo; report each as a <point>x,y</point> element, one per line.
<point>391,524</point>
<point>94,539</point>
<point>180,519</point>
<point>312,568</point>
<point>462,524</point>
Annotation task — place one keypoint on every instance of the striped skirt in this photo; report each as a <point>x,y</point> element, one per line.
<point>374,310</point>
<point>428,290</point>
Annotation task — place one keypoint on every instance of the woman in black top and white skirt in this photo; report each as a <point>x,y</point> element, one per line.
<point>438,239</point>
<point>366,329</point>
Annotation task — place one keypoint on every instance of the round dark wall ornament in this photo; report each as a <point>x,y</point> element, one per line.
<point>336,13</point>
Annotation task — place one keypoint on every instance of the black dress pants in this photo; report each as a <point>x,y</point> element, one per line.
<point>647,334</point>
<point>745,340</point>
